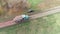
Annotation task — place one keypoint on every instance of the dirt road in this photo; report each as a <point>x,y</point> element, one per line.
<point>48,12</point>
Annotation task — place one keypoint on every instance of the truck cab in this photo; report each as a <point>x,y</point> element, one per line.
<point>21,18</point>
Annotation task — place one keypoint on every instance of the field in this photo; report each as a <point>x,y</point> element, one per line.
<point>45,25</point>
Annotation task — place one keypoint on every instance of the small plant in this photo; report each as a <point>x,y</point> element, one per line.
<point>1,11</point>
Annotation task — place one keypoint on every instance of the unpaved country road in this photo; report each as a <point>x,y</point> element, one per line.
<point>48,12</point>
<point>6,24</point>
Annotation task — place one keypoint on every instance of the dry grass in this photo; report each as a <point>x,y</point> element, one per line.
<point>48,4</point>
<point>13,7</point>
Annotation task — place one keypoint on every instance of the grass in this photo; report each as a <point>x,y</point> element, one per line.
<point>6,18</point>
<point>34,3</point>
<point>45,25</point>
